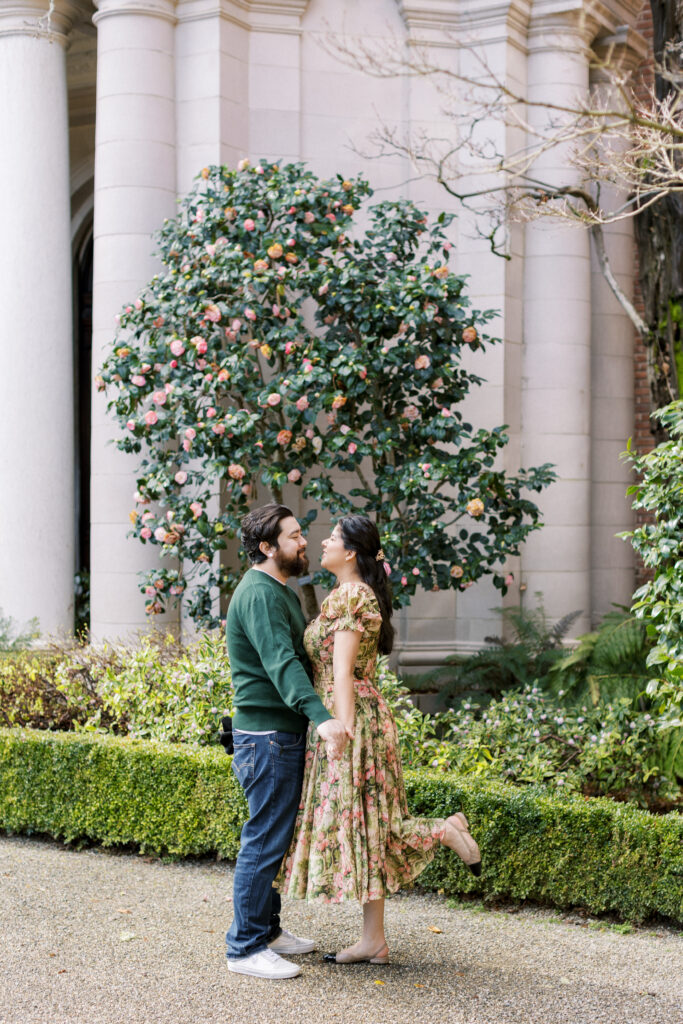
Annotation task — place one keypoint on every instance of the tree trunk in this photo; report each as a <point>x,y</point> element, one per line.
<point>659,237</point>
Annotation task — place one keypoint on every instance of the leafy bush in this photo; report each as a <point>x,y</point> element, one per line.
<point>28,694</point>
<point>659,542</point>
<point>530,737</point>
<point>340,348</point>
<point>158,690</point>
<point>181,800</point>
<point>607,664</point>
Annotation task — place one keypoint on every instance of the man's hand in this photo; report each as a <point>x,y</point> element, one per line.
<point>336,736</point>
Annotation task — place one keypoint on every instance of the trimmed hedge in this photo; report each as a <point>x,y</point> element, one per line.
<point>176,800</point>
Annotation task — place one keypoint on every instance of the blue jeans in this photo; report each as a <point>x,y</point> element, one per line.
<point>270,770</point>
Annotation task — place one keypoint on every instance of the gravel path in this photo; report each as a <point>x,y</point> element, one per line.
<point>94,937</point>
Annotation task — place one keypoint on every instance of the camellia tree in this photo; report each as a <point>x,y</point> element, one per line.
<point>281,345</point>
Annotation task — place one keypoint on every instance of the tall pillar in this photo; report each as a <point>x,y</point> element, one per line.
<point>36,340</point>
<point>612,416</point>
<point>556,360</point>
<point>135,189</point>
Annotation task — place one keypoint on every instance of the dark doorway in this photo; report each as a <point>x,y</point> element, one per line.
<point>82,393</point>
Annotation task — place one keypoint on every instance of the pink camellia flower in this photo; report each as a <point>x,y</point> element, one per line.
<point>302,403</point>
<point>201,364</point>
<point>509,579</point>
<point>309,217</point>
<point>181,477</point>
<point>173,364</point>
<point>284,437</point>
<point>151,418</point>
<point>196,509</point>
<point>404,581</point>
<point>176,589</point>
<point>212,313</point>
<point>246,489</point>
<point>416,571</point>
<point>310,433</point>
<point>289,348</point>
<point>331,217</point>
<point>138,303</point>
<point>258,170</point>
<point>250,313</point>
<point>290,242</point>
<point>294,475</point>
<point>210,413</point>
<point>423,363</point>
<point>160,533</point>
<point>457,572</point>
<point>249,225</point>
<point>475,507</point>
<point>187,445</point>
<point>273,398</point>
<point>150,590</point>
<point>338,401</point>
<point>210,250</point>
<point>145,533</point>
<point>131,424</point>
<point>190,433</point>
<point>243,164</point>
<point>324,288</point>
<point>353,448</point>
<point>440,272</point>
<point>411,412</point>
<point>201,346</point>
<point>469,335</point>
<point>145,368</point>
<point>236,471</point>
<point>387,568</point>
<point>219,429</point>
<point>345,428</point>
<point>445,412</point>
<point>147,516</point>
<point>260,266</point>
<point>138,380</point>
<point>362,373</point>
<point>159,397</point>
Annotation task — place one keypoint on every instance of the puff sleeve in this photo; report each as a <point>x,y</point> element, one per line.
<point>352,607</point>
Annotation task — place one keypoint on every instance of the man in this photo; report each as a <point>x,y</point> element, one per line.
<point>273,701</point>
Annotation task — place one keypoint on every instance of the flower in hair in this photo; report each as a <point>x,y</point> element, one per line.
<point>379,557</point>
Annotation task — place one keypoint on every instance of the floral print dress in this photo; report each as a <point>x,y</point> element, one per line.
<point>354,838</point>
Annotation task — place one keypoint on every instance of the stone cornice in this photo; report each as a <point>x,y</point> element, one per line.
<point>458,14</point>
<point>34,18</point>
<point>256,15</point>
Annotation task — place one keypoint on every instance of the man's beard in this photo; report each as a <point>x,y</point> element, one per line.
<point>291,565</point>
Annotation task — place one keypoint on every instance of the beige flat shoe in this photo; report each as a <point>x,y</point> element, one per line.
<point>381,957</point>
<point>457,838</point>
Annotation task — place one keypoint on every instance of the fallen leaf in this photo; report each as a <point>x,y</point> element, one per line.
<point>63,971</point>
<point>127,936</point>
<point>124,910</point>
<point>380,982</point>
<point>52,954</point>
<point>418,985</point>
<point>433,928</point>
<point>565,981</point>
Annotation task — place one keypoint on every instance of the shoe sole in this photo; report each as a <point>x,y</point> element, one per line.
<point>264,974</point>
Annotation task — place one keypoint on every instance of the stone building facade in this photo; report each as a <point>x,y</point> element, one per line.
<point>108,113</point>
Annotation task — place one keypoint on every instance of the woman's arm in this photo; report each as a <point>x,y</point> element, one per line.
<point>346,644</point>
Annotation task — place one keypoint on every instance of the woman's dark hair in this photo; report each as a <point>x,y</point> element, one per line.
<point>360,534</point>
<point>262,524</point>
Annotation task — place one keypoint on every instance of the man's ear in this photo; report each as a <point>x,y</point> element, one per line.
<point>265,548</point>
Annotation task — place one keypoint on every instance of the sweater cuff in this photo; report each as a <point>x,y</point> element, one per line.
<point>321,715</point>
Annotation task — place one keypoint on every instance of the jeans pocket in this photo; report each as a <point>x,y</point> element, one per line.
<point>284,741</point>
<point>243,762</point>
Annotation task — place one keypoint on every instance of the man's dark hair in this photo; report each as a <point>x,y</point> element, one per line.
<point>262,524</point>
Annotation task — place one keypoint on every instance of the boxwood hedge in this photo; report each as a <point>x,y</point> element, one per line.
<point>177,800</point>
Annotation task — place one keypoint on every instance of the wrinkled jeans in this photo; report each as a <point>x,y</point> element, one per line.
<point>270,770</point>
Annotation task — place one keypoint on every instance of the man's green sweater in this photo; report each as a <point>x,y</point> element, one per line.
<point>270,667</point>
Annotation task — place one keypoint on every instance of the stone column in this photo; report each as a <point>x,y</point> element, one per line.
<point>612,559</point>
<point>556,360</point>
<point>36,341</point>
<point>135,188</point>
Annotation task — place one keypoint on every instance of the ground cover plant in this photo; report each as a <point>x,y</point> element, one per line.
<point>284,345</point>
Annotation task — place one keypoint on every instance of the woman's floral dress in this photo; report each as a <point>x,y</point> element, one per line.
<point>354,838</point>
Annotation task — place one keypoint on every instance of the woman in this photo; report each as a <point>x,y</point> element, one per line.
<point>354,838</point>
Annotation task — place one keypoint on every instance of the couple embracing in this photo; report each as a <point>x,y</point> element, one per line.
<point>328,814</point>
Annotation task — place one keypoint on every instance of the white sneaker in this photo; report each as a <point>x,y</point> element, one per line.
<point>264,964</point>
<point>288,944</point>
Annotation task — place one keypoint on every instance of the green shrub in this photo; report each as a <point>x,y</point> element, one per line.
<point>28,694</point>
<point>179,800</point>
<point>169,799</point>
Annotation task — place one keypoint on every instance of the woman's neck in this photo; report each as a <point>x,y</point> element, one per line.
<point>348,576</point>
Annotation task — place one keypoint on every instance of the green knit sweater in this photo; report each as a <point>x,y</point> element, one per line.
<point>271,673</point>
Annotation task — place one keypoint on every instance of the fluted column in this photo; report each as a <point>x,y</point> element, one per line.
<point>135,188</point>
<point>36,342</point>
<point>556,360</point>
